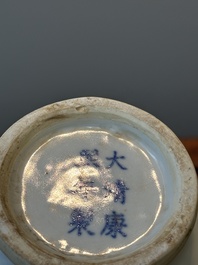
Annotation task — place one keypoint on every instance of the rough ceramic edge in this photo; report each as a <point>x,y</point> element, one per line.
<point>177,231</point>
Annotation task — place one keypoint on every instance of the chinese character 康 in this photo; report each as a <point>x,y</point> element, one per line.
<point>91,157</point>
<point>114,224</point>
<point>80,221</point>
<point>118,190</point>
<point>115,159</point>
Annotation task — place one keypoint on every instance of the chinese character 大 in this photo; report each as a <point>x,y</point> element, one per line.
<point>114,160</point>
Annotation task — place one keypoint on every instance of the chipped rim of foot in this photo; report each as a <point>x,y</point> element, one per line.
<point>159,251</point>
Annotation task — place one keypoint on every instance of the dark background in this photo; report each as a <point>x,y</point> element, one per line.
<point>144,53</point>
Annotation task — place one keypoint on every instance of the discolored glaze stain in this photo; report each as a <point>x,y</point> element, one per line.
<point>57,117</point>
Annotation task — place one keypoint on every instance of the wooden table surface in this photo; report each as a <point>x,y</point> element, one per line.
<point>191,145</point>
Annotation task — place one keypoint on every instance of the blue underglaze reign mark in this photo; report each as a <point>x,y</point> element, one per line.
<point>118,189</point>
<point>114,160</point>
<point>91,157</point>
<point>80,221</point>
<point>114,225</point>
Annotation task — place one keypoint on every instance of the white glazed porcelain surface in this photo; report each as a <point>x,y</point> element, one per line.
<point>94,180</point>
<point>91,169</point>
<point>187,256</point>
